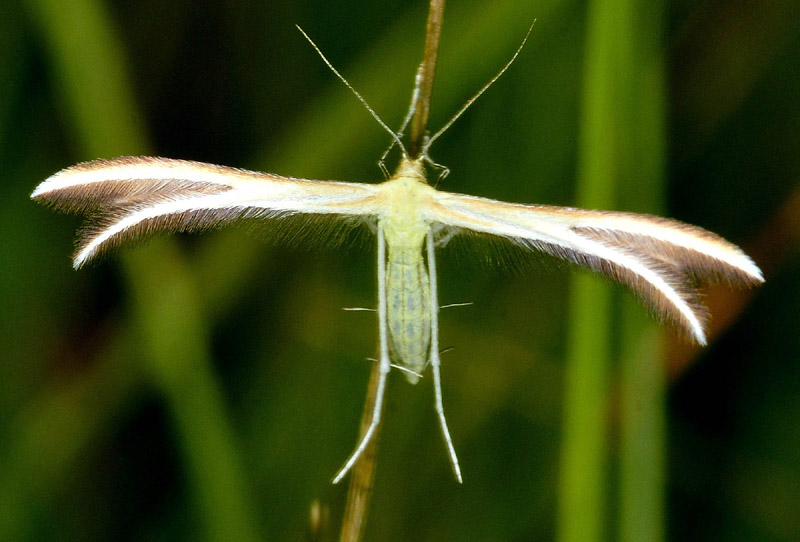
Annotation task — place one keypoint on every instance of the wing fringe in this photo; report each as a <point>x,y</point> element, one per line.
<point>663,261</point>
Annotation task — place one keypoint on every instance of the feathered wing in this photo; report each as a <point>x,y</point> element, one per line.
<point>660,259</point>
<point>131,197</point>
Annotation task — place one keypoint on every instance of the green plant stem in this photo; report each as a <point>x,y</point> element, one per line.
<point>642,372</point>
<point>583,502</point>
<point>583,478</point>
<point>620,166</point>
<point>174,343</point>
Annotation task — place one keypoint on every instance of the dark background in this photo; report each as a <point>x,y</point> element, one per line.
<point>210,385</point>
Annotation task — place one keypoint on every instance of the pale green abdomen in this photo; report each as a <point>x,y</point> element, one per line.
<point>408,297</point>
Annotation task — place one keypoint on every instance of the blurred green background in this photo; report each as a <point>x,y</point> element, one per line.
<point>209,386</point>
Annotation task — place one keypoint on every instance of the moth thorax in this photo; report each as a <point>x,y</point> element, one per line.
<point>411,169</point>
<point>408,297</point>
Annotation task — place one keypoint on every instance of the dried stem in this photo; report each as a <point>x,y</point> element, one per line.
<point>419,124</point>
<point>363,474</point>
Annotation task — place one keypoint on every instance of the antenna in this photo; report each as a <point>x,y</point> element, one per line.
<point>469,102</point>
<point>411,110</point>
<point>355,92</point>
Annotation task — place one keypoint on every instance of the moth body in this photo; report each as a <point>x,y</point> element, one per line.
<point>408,293</point>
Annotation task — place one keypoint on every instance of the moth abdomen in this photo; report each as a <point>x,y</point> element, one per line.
<point>408,297</point>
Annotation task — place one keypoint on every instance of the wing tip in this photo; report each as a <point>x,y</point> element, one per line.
<point>699,336</point>
<point>49,187</point>
<point>85,253</point>
<point>753,271</point>
<point>39,193</point>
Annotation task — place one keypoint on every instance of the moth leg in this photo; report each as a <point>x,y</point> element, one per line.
<point>444,239</point>
<point>384,362</point>
<point>436,360</point>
